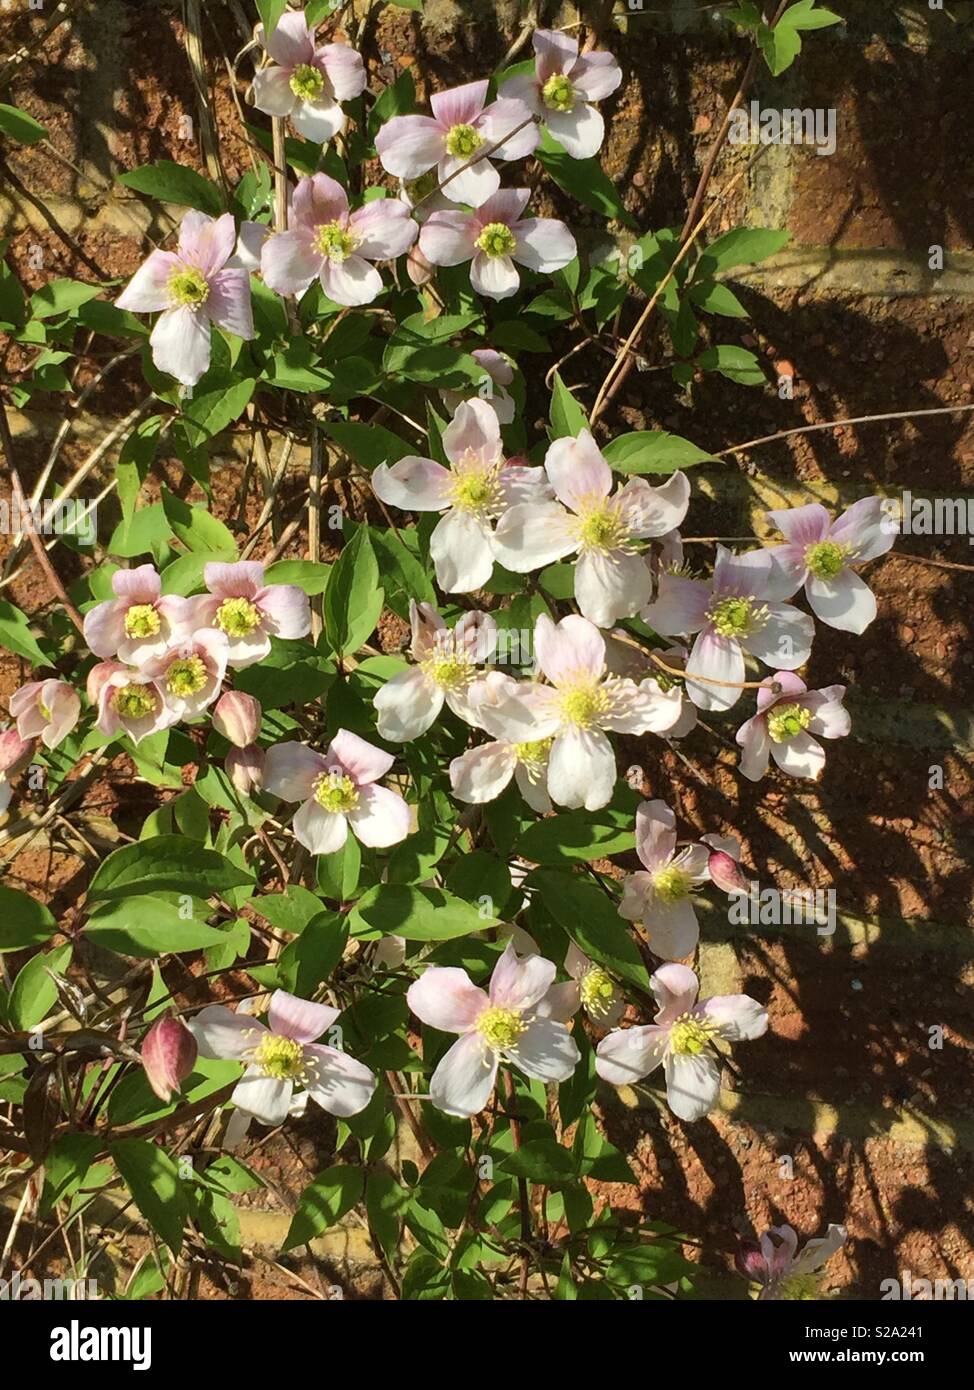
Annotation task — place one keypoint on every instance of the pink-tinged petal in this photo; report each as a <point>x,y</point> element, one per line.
<point>817,1252</point>
<point>830,718</point>
<point>481,774</point>
<point>791,685</point>
<point>180,344</point>
<point>638,896</point>
<point>749,574</point>
<point>272,91</point>
<point>338,1083</point>
<point>363,762</point>
<point>221,1034</point>
<point>596,75</point>
<point>519,483</point>
<point>461,548</point>
<point>64,707</point>
<point>459,105</point>
<point>716,658</point>
<point>501,122</point>
<point>544,244</point>
<point>229,305</point>
<point>300,1019</point>
<point>463,182</point>
<point>266,1098</point>
<point>785,640</point>
<point>473,430</point>
<point>352,282</point>
<point>148,289</point>
<point>207,242</point>
<point>523,88</point>
<point>464,1080</point>
<point>447,238</point>
<point>579,132</point>
<point>104,628</point>
<point>345,69</point>
<point>675,990</point>
<point>381,817</point>
<point>802,526</point>
<point>494,276</point>
<point>238,579</point>
<point>865,528</point>
<point>409,145</point>
<point>672,929</point>
<point>739,1018</point>
<point>546,1050</point>
<point>413,484</point>
<point>562,1002</point>
<point>573,649</point>
<point>611,586</point>
<point>291,43</point>
<point>681,605</point>
<point>250,243</point>
<point>444,997</point>
<point>581,769</point>
<point>286,610</point>
<point>655,834</point>
<point>506,206</point>
<point>577,962</point>
<point>495,364</point>
<point>643,709</point>
<point>801,756</point>
<point>789,561</point>
<point>518,982</point>
<point>577,470</point>
<point>320,831</point>
<point>426,629</point>
<point>498,707</point>
<point>383,229</point>
<point>692,1085</point>
<point>289,262</point>
<point>555,52</point>
<point>629,1054</point>
<point>845,602</point>
<point>318,121</point>
<point>755,744</point>
<point>291,771</point>
<point>139,585</point>
<point>532,535</point>
<point>318,199</point>
<point>654,511</point>
<point>407,705</point>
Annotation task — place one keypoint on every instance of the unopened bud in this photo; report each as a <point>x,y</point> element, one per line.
<point>726,872</point>
<point>15,752</point>
<point>245,768</point>
<point>236,716</point>
<point>168,1055</point>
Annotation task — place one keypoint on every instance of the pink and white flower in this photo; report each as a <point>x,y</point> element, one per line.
<point>237,717</point>
<point>447,662</point>
<point>736,612</point>
<point>581,705</point>
<point>139,622</point>
<point>247,611</point>
<point>820,553</point>
<point>612,579</point>
<point>562,88</point>
<point>190,673</point>
<point>502,1024</point>
<point>779,1271</point>
<point>460,128</point>
<point>307,83</point>
<point>482,773</point>
<point>128,701</point>
<point>498,376</point>
<point>47,710</point>
<point>328,243</point>
<point>15,754</point>
<point>682,1038</point>
<point>495,236</point>
<point>478,487</point>
<point>659,896</point>
<point>591,988</point>
<point>194,287</point>
<point>282,1056</point>
<point>784,725</point>
<point>338,793</point>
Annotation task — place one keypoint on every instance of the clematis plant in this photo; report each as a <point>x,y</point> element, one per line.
<point>305,82</point>
<point>821,554</point>
<point>659,895</point>
<point>140,621</point>
<point>128,701</point>
<point>786,725</point>
<point>482,773</point>
<point>248,611</point>
<point>446,669</point>
<point>47,710</point>
<point>496,238</point>
<point>779,1271</point>
<point>563,88</point>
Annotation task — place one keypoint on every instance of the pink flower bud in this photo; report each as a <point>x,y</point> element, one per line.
<point>726,872</point>
<point>245,768</point>
<point>418,268</point>
<point>168,1055</point>
<point>15,752</point>
<point>237,717</point>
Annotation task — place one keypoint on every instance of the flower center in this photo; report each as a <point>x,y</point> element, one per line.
<point>671,883</point>
<point>599,527</point>
<point>307,83</point>
<point>691,1035</point>
<point>596,990</point>
<point>533,756</point>
<point>788,721</point>
<point>189,286</point>
<point>582,705</point>
<point>135,701</point>
<point>142,620</point>
<point>558,94</point>
<point>497,239</point>
<point>449,672</point>
<point>186,676</point>
<point>280,1058</point>
<point>237,617</point>
<point>500,1028</point>
<point>336,792</point>
<point>733,617</point>
<point>825,559</point>
<point>463,141</point>
<point>476,489</point>
<point>333,241</point>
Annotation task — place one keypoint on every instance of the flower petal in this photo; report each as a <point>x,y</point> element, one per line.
<point>363,762</point>
<point>573,648</point>
<point>222,1034</point>
<point>719,659</point>
<point>738,1017</point>
<point>464,1080</point>
<point>229,304</point>
<point>320,831</point>
<point>494,276</point>
<point>291,770</point>
<point>300,1019</point>
<point>581,769</point>
<point>148,289</point>
<point>407,705</point>
<point>531,535</point>
<point>272,91</point>
<point>409,145</point>
<point>180,344</point>
<point>629,1054</point>
<point>546,1051</point>
<point>580,131</point>
<point>350,282</point>
<point>290,42</point>
<point>345,69</point>
<point>518,982</point>
<point>448,238</point>
<point>692,1085</point>
<point>481,774</point>
<point>445,997</point>
<point>381,817</point>
<point>461,548</point>
<point>845,602</point>
<point>338,1083</point>
<point>383,229</point>
<point>266,1098</point>
<point>544,244</point>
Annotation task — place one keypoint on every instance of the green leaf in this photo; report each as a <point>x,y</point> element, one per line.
<point>65,1166</point>
<point>735,363</point>
<point>34,992</point>
<point>165,864</point>
<point>146,927</point>
<point>146,529</point>
<point>19,126</point>
<point>152,1177</point>
<point>307,962</point>
<point>16,636</point>
<point>368,445</point>
<point>175,183</point>
<point>742,246</point>
<point>714,298</point>
<point>541,1161</point>
<point>23,921</point>
<point>353,599</point>
<point>574,835</point>
<point>584,179</point>
<point>135,456</point>
<point>418,914</point>
<point>289,912</point>
<point>386,1200</point>
<point>210,413</point>
<point>324,1202</point>
<point>60,297</point>
<point>270,12</point>
<point>398,98</point>
<point>309,575</point>
<point>197,527</point>
<point>591,920</point>
<point>567,416</point>
<point>652,451</point>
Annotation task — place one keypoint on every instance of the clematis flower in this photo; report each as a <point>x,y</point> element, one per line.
<point>139,622</point>
<point>820,553</point>
<point>723,865</point>
<point>282,1056</point>
<point>15,754</point>
<point>307,83</point>
<point>338,792</point>
<point>47,710</point>
<point>612,580</point>
<point>245,768</point>
<point>446,667</point>
<point>248,611</point>
<point>250,243</point>
<point>194,287</point>
<point>168,1055</point>
<point>460,127</point>
<point>237,717</point>
<point>581,704</point>
<point>191,672</point>
<point>773,1264</point>
<point>562,88</point>
<point>785,724</point>
<point>328,243</point>
<point>502,1024</point>
<point>499,374</point>
<point>659,897</point>
<point>493,238</point>
<point>682,1038</point>
<point>477,487</point>
<point>624,658</point>
<point>736,612</point>
<point>482,773</point>
<point>127,700</point>
<point>590,988</point>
